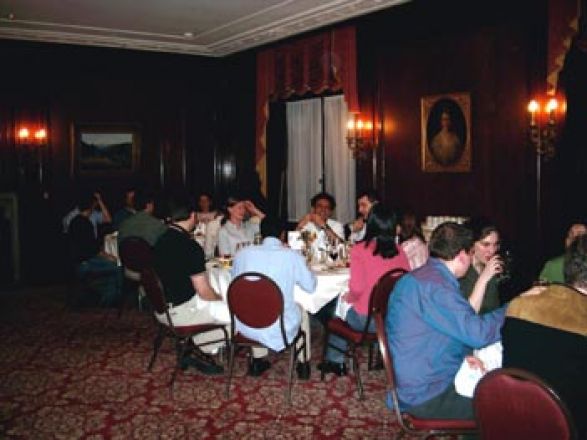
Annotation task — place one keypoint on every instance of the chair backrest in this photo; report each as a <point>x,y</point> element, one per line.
<point>255,300</point>
<point>514,404</point>
<point>135,253</point>
<point>154,290</point>
<point>380,294</point>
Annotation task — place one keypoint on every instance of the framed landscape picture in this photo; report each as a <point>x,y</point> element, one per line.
<point>104,149</point>
<point>446,133</point>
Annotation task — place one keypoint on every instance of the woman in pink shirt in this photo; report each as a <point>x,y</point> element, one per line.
<point>370,258</point>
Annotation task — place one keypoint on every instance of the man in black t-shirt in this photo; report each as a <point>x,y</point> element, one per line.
<point>179,262</point>
<point>86,253</point>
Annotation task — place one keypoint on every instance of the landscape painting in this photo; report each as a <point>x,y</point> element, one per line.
<point>105,150</point>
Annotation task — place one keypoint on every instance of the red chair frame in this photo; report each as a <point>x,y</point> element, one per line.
<point>245,295</point>
<point>355,338</point>
<point>410,424</point>
<point>182,335</point>
<point>511,403</point>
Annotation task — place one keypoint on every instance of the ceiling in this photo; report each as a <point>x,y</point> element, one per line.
<point>197,27</point>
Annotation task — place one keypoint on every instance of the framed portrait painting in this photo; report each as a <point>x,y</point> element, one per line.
<point>446,133</point>
<point>104,149</point>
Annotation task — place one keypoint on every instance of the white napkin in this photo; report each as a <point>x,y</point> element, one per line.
<point>467,378</point>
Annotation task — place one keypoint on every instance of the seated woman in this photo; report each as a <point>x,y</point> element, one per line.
<point>236,229</point>
<point>206,211</point>
<point>412,240</point>
<point>480,284</point>
<point>370,258</point>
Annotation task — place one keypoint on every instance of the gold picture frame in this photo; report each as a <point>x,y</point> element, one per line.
<point>446,133</point>
<point>105,150</point>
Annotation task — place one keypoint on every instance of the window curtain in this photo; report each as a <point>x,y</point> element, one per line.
<point>339,165</point>
<point>304,155</point>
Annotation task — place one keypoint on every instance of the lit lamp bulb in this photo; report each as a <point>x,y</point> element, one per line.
<point>533,107</point>
<point>41,134</point>
<point>23,133</point>
<point>551,107</point>
<point>350,127</point>
<point>369,126</point>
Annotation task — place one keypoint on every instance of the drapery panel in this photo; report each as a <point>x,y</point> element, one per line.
<point>339,165</point>
<point>304,155</point>
<point>314,64</point>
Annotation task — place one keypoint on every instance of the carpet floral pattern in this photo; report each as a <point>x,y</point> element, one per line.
<point>68,374</point>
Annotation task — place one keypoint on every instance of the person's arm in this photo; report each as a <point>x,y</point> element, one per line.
<point>493,267</point>
<point>305,278</point>
<point>253,210</point>
<point>106,218</point>
<point>304,221</point>
<point>357,278</point>
<point>447,311</point>
<point>203,288</point>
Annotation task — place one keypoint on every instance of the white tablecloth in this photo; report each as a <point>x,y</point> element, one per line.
<point>330,284</point>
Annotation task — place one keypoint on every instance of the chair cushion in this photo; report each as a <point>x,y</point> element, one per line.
<point>341,328</point>
<point>439,424</point>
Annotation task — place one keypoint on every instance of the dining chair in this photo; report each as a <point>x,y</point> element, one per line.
<point>245,294</point>
<point>511,403</point>
<point>356,338</point>
<point>135,254</point>
<point>181,335</point>
<point>409,424</point>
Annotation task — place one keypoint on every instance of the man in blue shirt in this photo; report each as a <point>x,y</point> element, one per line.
<point>431,328</point>
<point>287,268</point>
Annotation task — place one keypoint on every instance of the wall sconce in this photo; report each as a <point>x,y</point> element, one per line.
<point>29,138</point>
<point>359,135</point>
<point>543,124</point>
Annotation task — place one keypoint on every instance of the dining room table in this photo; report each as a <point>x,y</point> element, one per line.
<point>331,282</point>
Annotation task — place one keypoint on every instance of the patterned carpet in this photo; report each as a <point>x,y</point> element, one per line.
<point>82,375</point>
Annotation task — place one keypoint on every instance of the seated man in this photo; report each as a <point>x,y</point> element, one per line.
<point>365,202</point>
<point>287,268</point>
<point>547,334</point>
<point>90,259</point>
<point>143,224</point>
<point>553,268</point>
<point>128,209</point>
<point>318,221</point>
<point>431,328</point>
<point>99,213</point>
<point>179,262</point>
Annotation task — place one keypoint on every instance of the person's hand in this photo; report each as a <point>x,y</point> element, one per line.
<point>493,267</point>
<point>250,206</point>
<point>475,363</point>
<point>317,220</point>
<point>358,224</point>
<point>536,290</point>
<point>98,196</point>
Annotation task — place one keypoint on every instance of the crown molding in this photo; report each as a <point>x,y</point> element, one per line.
<point>228,38</point>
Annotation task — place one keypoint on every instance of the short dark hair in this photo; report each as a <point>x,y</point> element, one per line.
<point>85,200</point>
<point>231,200</point>
<point>575,262</point>
<point>179,207</point>
<point>323,196</point>
<point>448,239</point>
<point>271,227</point>
<point>381,225</point>
<point>481,227</point>
<point>143,197</point>
<point>370,193</point>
